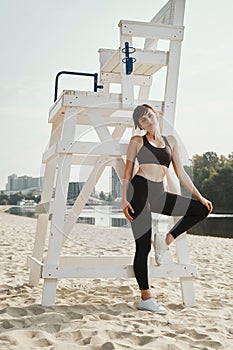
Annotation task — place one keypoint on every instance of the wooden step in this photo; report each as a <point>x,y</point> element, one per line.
<point>147,62</point>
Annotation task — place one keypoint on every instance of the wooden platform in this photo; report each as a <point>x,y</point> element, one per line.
<point>105,103</point>
<point>108,267</point>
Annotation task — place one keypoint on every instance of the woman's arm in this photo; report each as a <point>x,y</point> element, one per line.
<point>183,176</point>
<point>130,161</point>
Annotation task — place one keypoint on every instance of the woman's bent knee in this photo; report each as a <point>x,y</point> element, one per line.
<point>205,212</point>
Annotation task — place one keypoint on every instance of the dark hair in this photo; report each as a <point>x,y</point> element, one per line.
<point>139,111</point>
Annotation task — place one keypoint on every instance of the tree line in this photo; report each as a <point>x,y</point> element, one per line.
<point>213,176</point>
<point>12,199</point>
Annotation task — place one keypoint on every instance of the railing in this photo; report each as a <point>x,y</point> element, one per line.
<point>94,75</point>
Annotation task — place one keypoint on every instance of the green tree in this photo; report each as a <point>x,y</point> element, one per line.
<point>102,195</point>
<point>33,196</point>
<point>14,198</point>
<point>213,176</point>
<point>204,166</point>
<point>110,198</point>
<point>220,189</point>
<point>4,199</point>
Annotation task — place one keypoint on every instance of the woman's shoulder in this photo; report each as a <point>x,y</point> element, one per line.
<point>135,144</point>
<point>170,138</point>
<point>137,138</point>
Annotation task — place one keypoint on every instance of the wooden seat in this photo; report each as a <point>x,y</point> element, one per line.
<point>147,62</point>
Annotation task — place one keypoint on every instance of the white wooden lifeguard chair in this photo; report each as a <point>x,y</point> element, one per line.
<point>99,109</point>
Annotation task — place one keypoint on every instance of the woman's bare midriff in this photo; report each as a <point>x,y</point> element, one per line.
<point>152,172</point>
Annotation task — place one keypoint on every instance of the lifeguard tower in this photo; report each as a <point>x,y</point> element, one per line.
<point>128,66</point>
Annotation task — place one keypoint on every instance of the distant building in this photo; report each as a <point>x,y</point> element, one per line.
<point>116,185</point>
<point>22,183</point>
<point>74,189</point>
<point>26,184</point>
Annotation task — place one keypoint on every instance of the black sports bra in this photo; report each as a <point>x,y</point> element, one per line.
<point>149,154</point>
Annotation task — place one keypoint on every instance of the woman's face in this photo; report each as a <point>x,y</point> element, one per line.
<point>148,121</point>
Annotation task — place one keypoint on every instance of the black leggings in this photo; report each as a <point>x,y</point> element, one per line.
<point>147,196</point>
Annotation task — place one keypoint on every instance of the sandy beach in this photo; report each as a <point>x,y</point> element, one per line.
<point>102,314</point>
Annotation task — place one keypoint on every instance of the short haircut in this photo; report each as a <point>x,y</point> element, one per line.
<point>139,111</point>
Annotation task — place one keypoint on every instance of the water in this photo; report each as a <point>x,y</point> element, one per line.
<point>218,225</point>
<point>23,211</point>
<point>99,215</point>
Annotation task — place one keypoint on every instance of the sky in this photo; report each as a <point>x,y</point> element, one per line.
<point>40,38</point>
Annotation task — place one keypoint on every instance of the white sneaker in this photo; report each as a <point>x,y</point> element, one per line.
<point>151,305</point>
<point>161,248</point>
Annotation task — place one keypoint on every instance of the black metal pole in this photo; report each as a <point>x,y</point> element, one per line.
<point>94,75</point>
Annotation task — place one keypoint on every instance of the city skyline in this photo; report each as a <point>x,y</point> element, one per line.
<point>30,59</point>
<point>24,182</point>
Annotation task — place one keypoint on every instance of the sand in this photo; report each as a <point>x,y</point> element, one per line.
<point>102,314</point>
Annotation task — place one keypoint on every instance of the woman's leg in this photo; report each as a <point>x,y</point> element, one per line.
<point>141,226</point>
<point>140,264</point>
<point>191,210</point>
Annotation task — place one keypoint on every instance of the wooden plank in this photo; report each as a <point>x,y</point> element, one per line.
<point>164,13</point>
<point>83,118</point>
<point>69,260</point>
<point>42,220</point>
<point>151,57</point>
<point>49,292</point>
<point>141,68</point>
<point>61,190</point>
<point>78,159</point>
<point>93,100</point>
<point>104,56</point>
<point>73,98</point>
<point>178,12</point>
<point>50,154</point>
<point>109,120</point>
<point>112,62</point>
<point>88,271</point>
<point>111,267</point>
<point>56,107</point>
<point>151,30</point>
<point>187,286</point>
<point>106,104</point>
<point>143,58</point>
<point>115,78</point>
<point>147,69</point>
<point>144,92</point>
<point>171,87</point>
<point>42,208</point>
<point>109,148</point>
<point>35,267</point>
<point>45,208</point>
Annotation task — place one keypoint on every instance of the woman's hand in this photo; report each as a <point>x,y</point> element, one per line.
<point>207,203</point>
<point>126,207</point>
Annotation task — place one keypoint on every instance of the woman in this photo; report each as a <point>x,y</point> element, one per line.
<point>144,193</point>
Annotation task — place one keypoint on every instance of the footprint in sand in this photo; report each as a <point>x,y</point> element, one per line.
<point>16,311</point>
<point>36,309</point>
